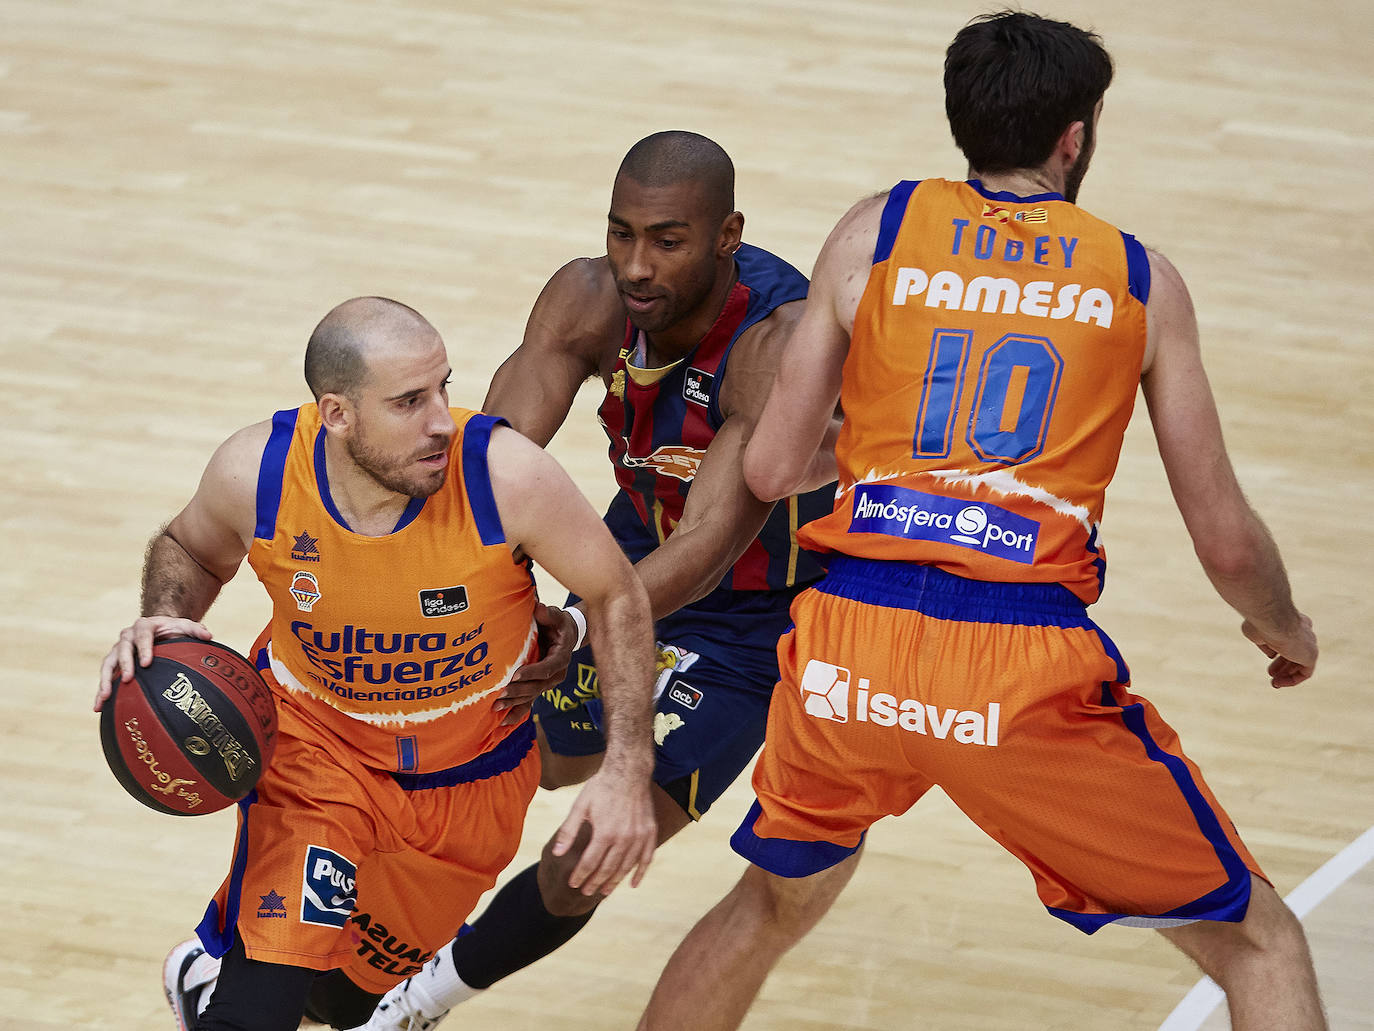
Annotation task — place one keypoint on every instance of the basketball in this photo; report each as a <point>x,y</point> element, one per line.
<point>193,731</point>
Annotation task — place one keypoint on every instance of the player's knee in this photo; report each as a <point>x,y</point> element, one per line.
<point>786,908</point>
<point>335,1000</point>
<point>1270,937</point>
<point>559,898</point>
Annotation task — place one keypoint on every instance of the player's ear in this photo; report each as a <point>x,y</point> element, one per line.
<point>731,232</point>
<point>336,413</point>
<point>1070,143</point>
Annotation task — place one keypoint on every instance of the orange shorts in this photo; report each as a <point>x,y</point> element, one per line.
<point>341,866</point>
<point>899,677</point>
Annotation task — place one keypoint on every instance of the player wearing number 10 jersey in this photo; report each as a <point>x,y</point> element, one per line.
<point>993,369</point>
<point>985,339</point>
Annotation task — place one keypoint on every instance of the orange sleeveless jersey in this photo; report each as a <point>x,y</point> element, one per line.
<point>990,377</point>
<point>397,644</point>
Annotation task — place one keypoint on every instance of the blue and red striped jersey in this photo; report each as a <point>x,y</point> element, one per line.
<point>659,434</point>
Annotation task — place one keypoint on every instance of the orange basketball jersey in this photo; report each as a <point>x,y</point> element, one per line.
<point>397,644</point>
<point>991,374</point>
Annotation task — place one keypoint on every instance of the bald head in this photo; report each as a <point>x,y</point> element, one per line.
<point>336,359</point>
<point>676,157</point>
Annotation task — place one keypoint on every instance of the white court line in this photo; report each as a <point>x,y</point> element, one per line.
<point>1205,996</point>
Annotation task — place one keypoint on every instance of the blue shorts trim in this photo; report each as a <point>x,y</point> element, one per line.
<point>218,942</point>
<point>506,756</point>
<point>1228,903</point>
<point>783,856</point>
<point>933,592</point>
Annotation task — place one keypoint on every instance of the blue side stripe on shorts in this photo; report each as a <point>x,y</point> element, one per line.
<point>933,592</point>
<point>270,472</point>
<point>505,757</point>
<point>784,856</point>
<point>218,942</point>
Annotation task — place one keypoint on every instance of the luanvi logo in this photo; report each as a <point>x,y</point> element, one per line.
<point>303,548</point>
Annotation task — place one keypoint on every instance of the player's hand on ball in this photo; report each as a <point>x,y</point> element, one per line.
<point>136,644</point>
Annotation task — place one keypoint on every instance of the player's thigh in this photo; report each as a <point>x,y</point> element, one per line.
<point>835,760</point>
<point>1075,775</point>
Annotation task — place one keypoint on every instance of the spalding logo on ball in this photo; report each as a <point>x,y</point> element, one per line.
<point>193,731</point>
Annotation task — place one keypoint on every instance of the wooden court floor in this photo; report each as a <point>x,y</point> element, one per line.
<point>185,187</point>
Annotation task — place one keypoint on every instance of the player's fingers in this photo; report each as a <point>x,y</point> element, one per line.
<point>143,634</point>
<point>641,867</point>
<point>566,834</point>
<point>517,714</point>
<point>125,655</point>
<point>598,870</point>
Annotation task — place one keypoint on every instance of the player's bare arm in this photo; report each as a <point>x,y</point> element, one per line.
<point>798,419</point>
<point>193,556</point>
<point>721,516</point>
<point>1233,545</point>
<point>572,334</point>
<point>544,515</point>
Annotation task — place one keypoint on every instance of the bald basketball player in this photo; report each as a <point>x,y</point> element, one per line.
<point>987,338</point>
<point>685,327</point>
<point>400,782</point>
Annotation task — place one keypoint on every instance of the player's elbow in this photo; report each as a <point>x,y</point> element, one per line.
<point>767,481</point>
<point>1236,556</point>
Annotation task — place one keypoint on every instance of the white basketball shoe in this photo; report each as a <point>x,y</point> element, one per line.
<point>188,978</point>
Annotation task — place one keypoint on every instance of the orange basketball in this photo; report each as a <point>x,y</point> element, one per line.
<point>193,731</point>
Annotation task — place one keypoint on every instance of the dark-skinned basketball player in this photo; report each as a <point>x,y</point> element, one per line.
<point>399,785</point>
<point>685,326</point>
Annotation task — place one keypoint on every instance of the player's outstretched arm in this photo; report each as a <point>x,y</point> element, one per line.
<point>193,556</point>
<point>576,313</point>
<point>792,447</point>
<point>543,513</point>
<point>1233,545</point>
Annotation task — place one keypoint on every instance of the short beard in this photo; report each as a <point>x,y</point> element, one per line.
<point>1074,179</point>
<point>388,473</point>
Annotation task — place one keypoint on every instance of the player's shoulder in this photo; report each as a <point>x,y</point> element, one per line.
<point>580,304</point>
<point>851,243</point>
<point>245,446</point>
<point>583,281</point>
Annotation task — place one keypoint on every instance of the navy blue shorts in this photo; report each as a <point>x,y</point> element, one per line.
<point>717,664</point>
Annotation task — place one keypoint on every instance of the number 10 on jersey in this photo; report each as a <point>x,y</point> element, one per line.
<point>1013,398</point>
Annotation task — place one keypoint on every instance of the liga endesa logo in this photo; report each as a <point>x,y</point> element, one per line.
<point>826,695</point>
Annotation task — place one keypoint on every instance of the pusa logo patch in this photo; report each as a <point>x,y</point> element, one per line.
<point>329,888</point>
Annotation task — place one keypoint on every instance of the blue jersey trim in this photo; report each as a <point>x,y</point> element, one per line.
<point>933,592</point>
<point>783,856</point>
<point>322,483</point>
<point>270,472</point>
<point>218,942</point>
<point>412,509</point>
<point>893,213</point>
<point>506,756</point>
<point>1012,198</point>
<point>477,478</point>
<point>771,282</point>
<point>1138,268</point>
